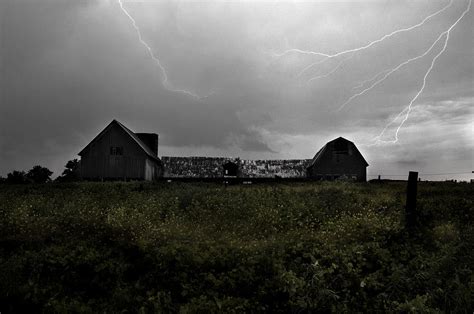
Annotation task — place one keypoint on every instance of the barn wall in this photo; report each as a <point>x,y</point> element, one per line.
<point>98,163</point>
<point>150,170</point>
<point>331,165</point>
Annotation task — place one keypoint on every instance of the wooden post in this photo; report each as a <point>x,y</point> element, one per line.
<point>379,177</point>
<point>410,208</point>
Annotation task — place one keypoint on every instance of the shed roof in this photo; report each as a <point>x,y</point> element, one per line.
<point>212,167</point>
<point>194,167</point>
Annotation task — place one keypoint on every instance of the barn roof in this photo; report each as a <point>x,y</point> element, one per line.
<point>283,168</point>
<point>212,167</point>
<point>321,152</point>
<point>194,167</point>
<point>134,137</point>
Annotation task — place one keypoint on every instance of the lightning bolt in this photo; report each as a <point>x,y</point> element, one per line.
<point>370,44</point>
<point>433,61</point>
<point>377,139</point>
<point>369,80</point>
<point>390,72</point>
<point>166,83</point>
<point>332,71</point>
<point>445,33</point>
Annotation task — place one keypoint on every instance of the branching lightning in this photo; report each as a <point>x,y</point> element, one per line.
<point>409,107</point>
<point>433,61</point>
<point>332,71</point>
<point>383,75</point>
<point>166,83</point>
<point>361,84</point>
<point>390,72</point>
<point>370,44</point>
<point>372,82</point>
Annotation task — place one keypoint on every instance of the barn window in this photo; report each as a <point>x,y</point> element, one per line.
<point>116,150</point>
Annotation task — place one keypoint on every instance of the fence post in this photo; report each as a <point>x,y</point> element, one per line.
<point>410,208</point>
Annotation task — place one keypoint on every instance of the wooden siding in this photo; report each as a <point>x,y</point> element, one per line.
<point>98,163</point>
<point>332,165</point>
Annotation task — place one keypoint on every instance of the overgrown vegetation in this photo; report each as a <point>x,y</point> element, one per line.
<point>37,174</point>
<point>174,247</point>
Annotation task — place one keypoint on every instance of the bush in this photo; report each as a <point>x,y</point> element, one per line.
<point>39,174</point>
<point>16,177</point>
<point>71,173</point>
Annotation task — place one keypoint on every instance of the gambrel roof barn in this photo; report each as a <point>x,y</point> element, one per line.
<point>338,158</point>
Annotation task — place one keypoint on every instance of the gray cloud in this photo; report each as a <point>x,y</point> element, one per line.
<point>69,67</point>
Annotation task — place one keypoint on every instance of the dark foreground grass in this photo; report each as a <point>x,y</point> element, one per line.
<point>174,247</point>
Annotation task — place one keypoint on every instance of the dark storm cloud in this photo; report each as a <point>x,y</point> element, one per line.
<point>65,78</point>
<point>69,67</point>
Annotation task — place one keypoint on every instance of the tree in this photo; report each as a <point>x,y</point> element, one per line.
<point>71,173</point>
<point>39,174</point>
<point>16,177</point>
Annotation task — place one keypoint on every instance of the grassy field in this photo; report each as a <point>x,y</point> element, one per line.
<point>175,247</point>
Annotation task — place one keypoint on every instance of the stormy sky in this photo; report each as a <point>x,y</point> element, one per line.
<point>241,78</point>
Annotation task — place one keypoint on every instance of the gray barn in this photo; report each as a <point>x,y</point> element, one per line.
<point>339,158</point>
<point>117,153</point>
